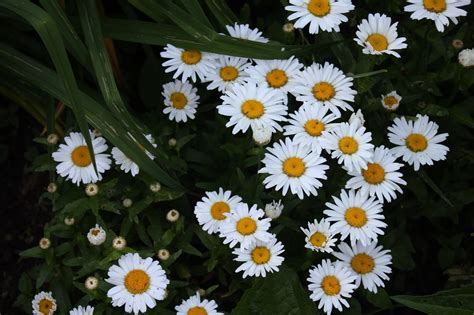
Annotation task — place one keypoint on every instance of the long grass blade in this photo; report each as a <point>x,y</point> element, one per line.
<point>221,12</point>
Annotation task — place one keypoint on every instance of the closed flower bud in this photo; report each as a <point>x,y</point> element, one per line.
<point>91,283</point>
<point>163,254</point>
<point>96,235</point>
<point>92,190</point>
<point>52,188</point>
<point>155,187</point>
<point>273,210</point>
<point>52,138</point>
<point>44,243</point>
<point>172,142</point>
<point>119,243</point>
<point>466,57</point>
<point>127,202</point>
<point>288,27</point>
<point>457,43</point>
<point>172,215</point>
<point>262,135</point>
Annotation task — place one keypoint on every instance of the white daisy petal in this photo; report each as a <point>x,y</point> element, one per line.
<point>194,305</point>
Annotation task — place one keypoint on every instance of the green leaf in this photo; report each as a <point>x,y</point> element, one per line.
<point>277,293</point>
<point>433,186</point>
<point>452,302</point>
<point>222,12</point>
<point>34,252</point>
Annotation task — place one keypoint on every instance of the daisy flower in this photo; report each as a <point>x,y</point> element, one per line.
<point>277,74</point>
<point>307,125</point>
<point>260,258</point>
<point>210,212</point>
<point>181,100</point>
<point>138,283</point>
<point>245,226</point>
<point>417,142</point>
<point>379,36</point>
<point>319,14</point>
<point>440,11</point>
<point>357,216</point>
<point>391,101</point>
<point>96,235</point>
<point>359,117</point>
<point>252,105</point>
<point>350,145</point>
<point>75,161</point>
<point>325,85</point>
<point>187,63</point>
<point>243,31</point>
<point>331,284</point>
<point>381,178</point>
<point>80,310</point>
<point>126,164</point>
<point>320,236</point>
<point>194,306</point>
<point>228,71</point>
<point>294,167</point>
<point>369,263</point>
<point>43,304</point>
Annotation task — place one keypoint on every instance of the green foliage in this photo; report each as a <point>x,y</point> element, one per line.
<point>52,54</point>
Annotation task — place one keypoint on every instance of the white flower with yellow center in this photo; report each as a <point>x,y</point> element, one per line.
<point>80,310</point>
<point>252,105</point>
<point>440,11</point>
<point>228,72</point>
<point>369,263</point>
<point>75,160</point>
<point>181,100</point>
<point>293,167</point>
<point>320,236</point>
<point>243,31</point>
<point>350,145</point>
<point>245,226</point>
<point>357,216</point>
<point>417,142</point>
<point>276,74</point>
<point>126,164</point>
<point>194,306</point>
<point>210,211</point>
<point>187,63</point>
<point>260,258</point>
<point>391,101</point>
<point>379,36</point>
<point>381,177</point>
<point>43,303</point>
<point>97,235</point>
<point>319,14</point>
<point>138,283</point>
<point>325,85</point>
<point>331,284</point>
<point>307,125</point>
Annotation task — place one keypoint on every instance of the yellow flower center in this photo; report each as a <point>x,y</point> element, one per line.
<point>277,78</point>
<point>191,57</point>
<point>197,310</point>
<point>294,167</point>
<point>319,8</point>
<point>435,6</point>
<point>314,127</point>
<point>378,42</point>
<point>261,255</point>
<point>362,263</point>
<point>45,306</point>
<point>246,226</point>
<point>229,73</point>
<point>348,145</point>
<point>374,174</point>
<point>390,101</point>
<point>331,285</point>
<point>323,91</point>
<point>252,109</point>
<point>179,100</point>
<point>318,239</point>
<point>81,157</point>
<point>137,281</point>
<point>416,142</point>
<point>218,209</point>
<point>95,232</point>
<point>355,217</point>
